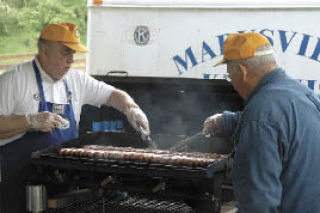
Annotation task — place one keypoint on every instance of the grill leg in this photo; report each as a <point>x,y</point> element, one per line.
<point>204,206</point>
<point>212,203</point>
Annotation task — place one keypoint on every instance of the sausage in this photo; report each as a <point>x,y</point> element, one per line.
<point>141,155</point>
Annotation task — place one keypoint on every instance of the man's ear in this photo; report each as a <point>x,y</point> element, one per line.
<point>44,50</point>
<point>243,72</point>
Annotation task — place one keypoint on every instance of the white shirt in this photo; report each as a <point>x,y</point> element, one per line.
<point>19,93</point>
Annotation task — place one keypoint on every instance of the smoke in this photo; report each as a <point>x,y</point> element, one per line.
<point>177,109</point>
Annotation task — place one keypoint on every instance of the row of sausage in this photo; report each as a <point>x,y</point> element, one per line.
<point>141,155</point>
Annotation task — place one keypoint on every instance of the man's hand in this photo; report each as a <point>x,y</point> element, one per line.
<point>138,120</point>
<point>45,121</point>
<point>212,124</point>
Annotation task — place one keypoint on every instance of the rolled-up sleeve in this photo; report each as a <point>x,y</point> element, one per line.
<point>257,169</point>
<point>229,122</point>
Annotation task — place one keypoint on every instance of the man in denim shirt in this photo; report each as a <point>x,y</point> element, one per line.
<point>276,136</point>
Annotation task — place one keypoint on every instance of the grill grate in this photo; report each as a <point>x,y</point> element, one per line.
<point>131,204</point>
<point>90,206</point>
<point>137,204</point>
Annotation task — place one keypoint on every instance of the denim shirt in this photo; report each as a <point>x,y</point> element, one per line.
<point>277,147</point>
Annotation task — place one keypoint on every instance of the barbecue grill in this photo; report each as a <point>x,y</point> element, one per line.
<point>176,109</point>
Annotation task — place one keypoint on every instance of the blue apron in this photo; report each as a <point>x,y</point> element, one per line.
<point>15,156</point>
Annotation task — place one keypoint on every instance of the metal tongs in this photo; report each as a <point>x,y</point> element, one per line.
<point>185,142</point>
<point>146,137</point>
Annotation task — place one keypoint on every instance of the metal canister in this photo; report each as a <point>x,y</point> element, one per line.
<point>36,196</point>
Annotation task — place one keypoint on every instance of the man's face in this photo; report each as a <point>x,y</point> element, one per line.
<point>58,60</point>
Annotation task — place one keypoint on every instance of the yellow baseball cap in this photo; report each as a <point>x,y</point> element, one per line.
<point>242,46</point>
<point>67,33</point>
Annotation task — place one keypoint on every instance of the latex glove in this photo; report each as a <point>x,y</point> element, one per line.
<point>212,124</point>
<point>138,120</point>
<point>45,121</point>
<point>65,124</point>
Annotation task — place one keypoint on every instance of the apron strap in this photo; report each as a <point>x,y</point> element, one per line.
<point>39,82</point>
<point>40,86</point>
<point>69,93</point>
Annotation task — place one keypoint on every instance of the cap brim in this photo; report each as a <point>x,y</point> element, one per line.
<point>220,63</point>
<point>76,46</point>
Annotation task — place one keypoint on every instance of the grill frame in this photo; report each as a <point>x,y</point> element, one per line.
<point>50,157</point>
<point>192,100</point>
<point>191,184</point>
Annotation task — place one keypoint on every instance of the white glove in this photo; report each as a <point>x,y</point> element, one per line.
<point>212,124</point>
<point>46,121</point>
<point>138,120</point>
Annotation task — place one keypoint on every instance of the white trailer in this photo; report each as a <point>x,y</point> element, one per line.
<point>183,38</point>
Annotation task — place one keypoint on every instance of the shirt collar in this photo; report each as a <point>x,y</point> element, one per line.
<point>276,73</point>
<point>44,76</point>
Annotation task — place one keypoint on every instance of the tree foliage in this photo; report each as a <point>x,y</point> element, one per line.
<point>22,20</point>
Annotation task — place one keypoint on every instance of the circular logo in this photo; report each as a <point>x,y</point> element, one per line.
<point>141,35</point>
<point>36,96</point>
<point>76,33</point>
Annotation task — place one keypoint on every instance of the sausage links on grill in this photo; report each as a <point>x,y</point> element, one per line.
<point>140,155</point>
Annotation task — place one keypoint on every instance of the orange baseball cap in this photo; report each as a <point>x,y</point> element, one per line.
<point>67,33</point>
<point>242,46</point>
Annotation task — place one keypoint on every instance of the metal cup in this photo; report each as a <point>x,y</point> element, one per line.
<point>36,196</point>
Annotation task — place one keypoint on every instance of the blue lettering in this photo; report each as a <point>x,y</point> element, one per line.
<point>189,60</point>
<point>221,40</point>
<point>304,45</point>
<point>311,84</point>
<point>243,31</point>
<point>262,32</point>
<point>178,60</point>
<point>206,76</point>
<point>316,52</point>
<point>283,39</point>
<point>207,50</point>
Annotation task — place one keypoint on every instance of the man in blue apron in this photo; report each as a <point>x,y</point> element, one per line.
<point>40,105</point>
